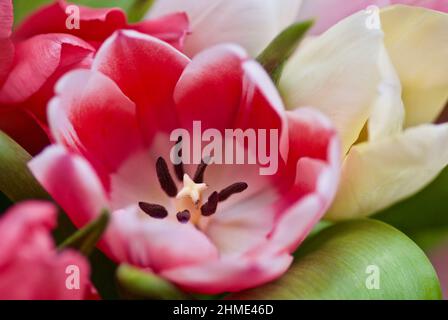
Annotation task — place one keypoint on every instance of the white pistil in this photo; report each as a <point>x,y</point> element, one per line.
<point>191,189</point>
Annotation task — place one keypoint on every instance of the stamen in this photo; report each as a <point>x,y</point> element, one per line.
<point>209,208</point>
<point>165,180</point>
<point>238,187</point>
<point>183,216</point>
<point>199,175</point>
<point>179,168</point>
<point>153,210</point>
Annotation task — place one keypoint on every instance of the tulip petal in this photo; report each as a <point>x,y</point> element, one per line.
<point>74,113</point>
<point>338,73</point>
<point>229,275</point>
<point>378,174</point>
<point>6,46</point>
<point>72,182</point>
<point>314,161</point>
<point>269,206</point>
<point>6,59</point>
<point>53,51</point>
<point>252,23</point>
<point>27,242</point>
<point>417,42</point>
<point>213,80</point>
<point>172,28</point>
<point>6,18</point>
<point>240,92</point>
<point>157,244</point>
<point>95,24</point>
<point>387,117</point>
<point>148,76</point>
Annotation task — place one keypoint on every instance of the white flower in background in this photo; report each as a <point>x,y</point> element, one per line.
<point>383,88</point>
<point>249,23</point>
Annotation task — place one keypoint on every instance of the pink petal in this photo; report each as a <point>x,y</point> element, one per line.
<point>262,106</point>
<point>25,218</point>
<point>314,160</point>
<point>157,244</point>
<point>6,59</point>
<point>230,275</point>
<point>95,24</point>
<point>6,46</point>
<point>6,18</point>
<point>36,60</point>
<point>146,69</point>
<point>212,81</point>
<point>76,109</point>
<point>72,182</point>
<point>136,180</point>
<point>27,242</point>
<point>172,28</point>
<point>238,90</point>
<point>244,223</point>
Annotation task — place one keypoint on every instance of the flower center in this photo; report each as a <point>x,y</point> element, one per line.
<point>189,200</point>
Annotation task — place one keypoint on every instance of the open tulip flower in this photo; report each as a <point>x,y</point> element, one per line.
<point>211,149</point>
<point>218,228</point>
<point>43,48</point>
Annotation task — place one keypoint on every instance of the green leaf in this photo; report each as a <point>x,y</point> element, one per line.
<point>334,264</point>
<point>16,180</point>
<point>5,203</point>
<point>85,239</point>
<point>23,8</point>
<point>282,47</point>
<point>424,212</point>
<point>139,284</point>
<point>103,270</point>
<point>103,275</point>
<point>138,10</point>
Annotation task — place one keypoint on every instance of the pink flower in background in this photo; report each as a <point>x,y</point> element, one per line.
<point>329,12</point>
<point>112,125</point>
<point>30,266</point>
<point>42,49</point>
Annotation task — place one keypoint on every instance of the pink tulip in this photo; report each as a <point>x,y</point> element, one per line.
<point>111,124</point>
<point>329,12</point>
<point>30,266</point>
<point>43,48</point>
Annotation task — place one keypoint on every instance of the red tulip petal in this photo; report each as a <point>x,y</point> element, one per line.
<point>146,69</point>
<point>95,24</point>
<point>36,60</point>
<point>74,113</point>
<point>229,275</point>
<point>6,18</point>
<point>172,28</point>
